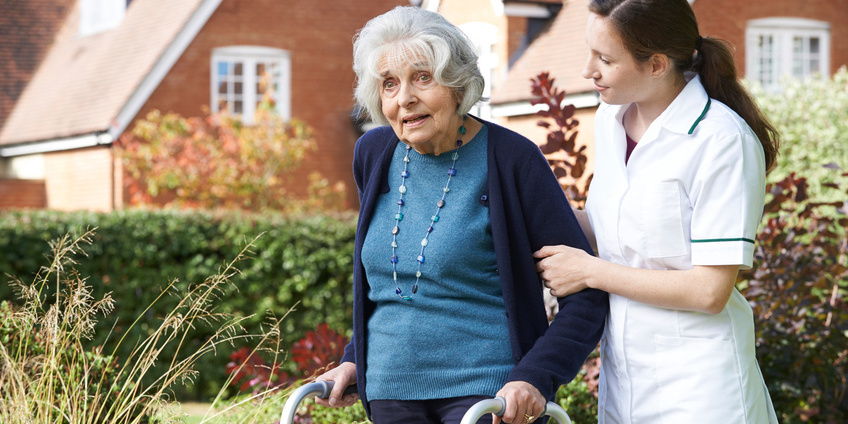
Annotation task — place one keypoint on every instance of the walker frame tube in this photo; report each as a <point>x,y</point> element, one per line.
<point>497,406</point>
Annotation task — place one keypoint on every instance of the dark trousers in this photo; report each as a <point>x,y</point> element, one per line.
<point>435,411</point>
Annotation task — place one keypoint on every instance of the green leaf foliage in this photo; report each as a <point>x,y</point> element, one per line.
<point>811,116</point>
<point>300,265</point>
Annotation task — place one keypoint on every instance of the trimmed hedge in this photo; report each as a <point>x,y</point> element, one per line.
<point>303,263</point>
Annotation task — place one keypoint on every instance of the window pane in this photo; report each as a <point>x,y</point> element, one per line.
<point>243,80</point>
<point>814,45</point>
<point>798,67</point>
<point>797,45</point>
<point>223,68</point>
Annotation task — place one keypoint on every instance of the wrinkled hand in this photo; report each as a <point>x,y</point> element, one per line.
<point>565,270</point>
<point>522,399</point>
<point>343,375</point>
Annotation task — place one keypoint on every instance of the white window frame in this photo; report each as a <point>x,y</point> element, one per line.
<point>783,32</point>
<point>100,15</point>
<point>484,36</point>
<point>249,57</point>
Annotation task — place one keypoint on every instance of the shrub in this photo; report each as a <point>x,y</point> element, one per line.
<point>812,118</point>
<point>567,161</point>
<point>797,290</point>
<point>301,262</point>
<point>579,398</point>
<point>46,374</point>
<point>217,161</point>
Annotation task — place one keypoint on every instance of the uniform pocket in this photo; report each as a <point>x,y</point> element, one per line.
<point>698,381</point>
<point>663,221</point>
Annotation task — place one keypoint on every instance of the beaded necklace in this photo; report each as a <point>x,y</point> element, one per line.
<point>433,220</point>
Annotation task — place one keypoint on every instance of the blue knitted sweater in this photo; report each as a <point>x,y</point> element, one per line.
<point>450,339</point>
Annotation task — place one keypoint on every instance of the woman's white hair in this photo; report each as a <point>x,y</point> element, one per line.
<point>418,38</point>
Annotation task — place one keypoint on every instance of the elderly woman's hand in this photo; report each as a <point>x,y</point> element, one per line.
<point>565,270</point>
<point>343,375</point>
<point>524,403</point>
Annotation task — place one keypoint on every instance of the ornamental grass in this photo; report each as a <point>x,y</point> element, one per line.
<point>48,376</point>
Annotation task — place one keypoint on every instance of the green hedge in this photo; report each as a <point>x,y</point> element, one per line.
<point>305,263</point>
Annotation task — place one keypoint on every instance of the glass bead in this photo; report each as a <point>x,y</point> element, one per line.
<point>441,203</point>
<point>423,242</point>
<point>399,216</point>
<point>409,298</point>
<point>418,274</point>
<point>452,172</point>
<point>462,130</point>
<point>430,229</point>
<point>401,202</point>
<point>395,230</point>
<point>394,259</point>
<point>446,190</point>
<point>455,155</point>
<point>435,218</point>
<point>415,289</point>
<point>402,189</point>
<point>394,244</point>
<point>406,158</point>
<point>421,259</point>
<point>404,174</point>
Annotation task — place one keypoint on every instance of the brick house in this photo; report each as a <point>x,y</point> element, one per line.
<point>83,78</point>
<point>79,73</point>
<point>772,38</point>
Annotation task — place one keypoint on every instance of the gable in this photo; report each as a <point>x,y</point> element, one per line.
<point>85,85</point>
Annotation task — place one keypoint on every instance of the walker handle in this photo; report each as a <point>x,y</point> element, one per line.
<point>497,406</point>
<point>320,388</point>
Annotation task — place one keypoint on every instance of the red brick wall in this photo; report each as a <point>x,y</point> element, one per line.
<point>17,194</point>
<point>728,19</point>
<point>318,37</point>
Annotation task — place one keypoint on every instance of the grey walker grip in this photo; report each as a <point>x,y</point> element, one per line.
<point>497,406</point>
<point>320,388</point>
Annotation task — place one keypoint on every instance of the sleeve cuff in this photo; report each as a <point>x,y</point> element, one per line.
<point>736,251</point>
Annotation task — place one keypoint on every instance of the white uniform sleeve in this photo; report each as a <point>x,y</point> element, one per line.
<point>727,196</point>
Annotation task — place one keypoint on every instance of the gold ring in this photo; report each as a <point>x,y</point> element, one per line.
<point>529,418</point>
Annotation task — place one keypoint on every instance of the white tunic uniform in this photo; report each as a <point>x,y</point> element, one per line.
<point>691,194</point>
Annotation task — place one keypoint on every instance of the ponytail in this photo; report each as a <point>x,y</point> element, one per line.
<point>714,64</point>
<point>669,27</point>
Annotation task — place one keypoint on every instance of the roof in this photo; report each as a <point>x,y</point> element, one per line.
<point>84,85</point>
<point>27,29</point>
<point>561,50</point>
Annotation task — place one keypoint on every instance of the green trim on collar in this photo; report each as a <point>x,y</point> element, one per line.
<point>700,118</point>
<point>723,239</point>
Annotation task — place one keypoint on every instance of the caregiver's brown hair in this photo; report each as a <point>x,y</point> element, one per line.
<point>669,27</point>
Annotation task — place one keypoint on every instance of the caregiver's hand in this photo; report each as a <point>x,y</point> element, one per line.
<point>565,270</point>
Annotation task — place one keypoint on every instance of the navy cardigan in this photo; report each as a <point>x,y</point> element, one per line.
<point>528,210</point>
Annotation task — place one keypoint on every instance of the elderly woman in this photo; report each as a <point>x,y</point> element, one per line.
<point>448,307</point>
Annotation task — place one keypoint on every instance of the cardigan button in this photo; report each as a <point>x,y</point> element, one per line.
<point>484,200</point>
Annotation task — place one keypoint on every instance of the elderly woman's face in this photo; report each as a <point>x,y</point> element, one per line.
<point>421,111</point>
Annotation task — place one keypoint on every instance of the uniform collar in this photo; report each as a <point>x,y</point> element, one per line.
<point>689,108</point>
<point>683,115</point>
